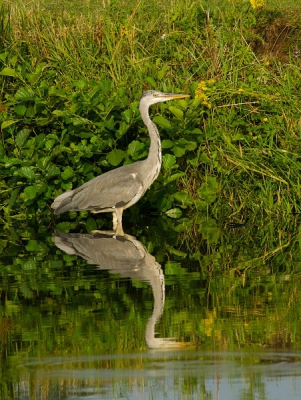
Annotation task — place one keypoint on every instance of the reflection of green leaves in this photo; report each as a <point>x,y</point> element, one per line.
<point>174,213</point>
<point>209,231</point>
<point>173,267</point>
<point>35,246</point>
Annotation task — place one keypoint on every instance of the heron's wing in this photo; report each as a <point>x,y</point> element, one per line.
<point>113,189</point>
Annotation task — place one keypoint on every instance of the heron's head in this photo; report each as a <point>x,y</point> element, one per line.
<point>153,96</point>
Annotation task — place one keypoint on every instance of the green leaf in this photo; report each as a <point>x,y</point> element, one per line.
<point>196,131</point>
<point>150,80</point>
<point>33,78</point>
<point>176,112</point>
<point>24,94</point>
<point>135,147</point>
<point>6,124</point>
<point>9,161</point>
<point>59,113</point>
<point>42,121</point>
<point>22,137</point>
<point>162,73</point>
<point>162,122</point>
<point>167,144</point>
<point>179,151</point>
<point>30,112</point>
<point>31,192</point>
<point>64,226</point>
<point>184,225</point>
<point>173,177</point>
<point>67,173</point>
<point>43,162</point>
<point>91,225</point>
<point>13,197</point>
<point>20,110</point>
<point>52,171</point>
<point>184,198</point>
<point>7,71</point>
<point>26,172</point>
<point>77,120</point>
<point>127,114</point>
<point>174,213</point>
<point>115,157</point>
<point>81,83</point>
<point>169,161</point>
<point>207,192</point>
<point>188,144</point>
<point>163,204</point>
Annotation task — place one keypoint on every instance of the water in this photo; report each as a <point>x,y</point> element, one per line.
<point>171,375</point>
<point>165,315</point>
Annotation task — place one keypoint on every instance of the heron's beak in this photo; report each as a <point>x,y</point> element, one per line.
<point>171,96</point>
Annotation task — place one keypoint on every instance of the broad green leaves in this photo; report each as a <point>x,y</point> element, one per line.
<point>7,71</point>
<point>162,122</point>
<point>9,122</point>
<point>115,157</point>
<point>22,136</point>
<point>208,190</point>
<point>25,94</point>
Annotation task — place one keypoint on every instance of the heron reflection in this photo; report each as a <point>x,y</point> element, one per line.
<point>126,256</point>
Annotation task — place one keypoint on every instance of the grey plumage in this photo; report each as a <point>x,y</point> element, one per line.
<point>126,256</point>
<point>116,190</point>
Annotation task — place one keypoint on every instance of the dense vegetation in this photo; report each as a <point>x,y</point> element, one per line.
<point>70,84</point>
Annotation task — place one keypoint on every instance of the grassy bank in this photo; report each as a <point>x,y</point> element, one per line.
<point>71,77</point>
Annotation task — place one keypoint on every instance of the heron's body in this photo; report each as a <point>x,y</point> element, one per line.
<point>116,190</point>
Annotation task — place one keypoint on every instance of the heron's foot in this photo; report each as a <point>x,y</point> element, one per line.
<point>117,232</point>
<point>97,232</point>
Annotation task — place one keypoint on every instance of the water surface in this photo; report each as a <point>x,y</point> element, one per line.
<point>163,315</point>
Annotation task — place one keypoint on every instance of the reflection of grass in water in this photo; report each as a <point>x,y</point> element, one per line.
<point>250,278</point>
<point>221,299</point>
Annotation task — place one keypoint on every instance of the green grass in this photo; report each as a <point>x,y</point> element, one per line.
<point>71,76</point>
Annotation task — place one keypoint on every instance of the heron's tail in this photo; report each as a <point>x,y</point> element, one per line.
<point>62,203</point>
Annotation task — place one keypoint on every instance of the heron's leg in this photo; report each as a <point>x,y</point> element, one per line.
<point>117,221</point>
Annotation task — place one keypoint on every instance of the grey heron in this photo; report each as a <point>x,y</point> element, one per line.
<point>118,189</point>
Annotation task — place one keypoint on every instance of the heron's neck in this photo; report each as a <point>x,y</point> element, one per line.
<point>155,155</point>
